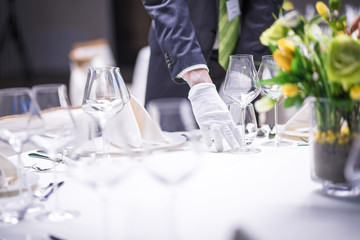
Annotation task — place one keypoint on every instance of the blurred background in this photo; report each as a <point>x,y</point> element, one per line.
<point>37,36</point>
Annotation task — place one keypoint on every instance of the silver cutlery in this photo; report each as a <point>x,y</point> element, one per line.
<point>37,168</point>
<point>45,192</point>
<point>42,156</point>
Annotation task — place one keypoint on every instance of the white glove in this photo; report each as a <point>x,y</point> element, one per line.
<point>213,117</point>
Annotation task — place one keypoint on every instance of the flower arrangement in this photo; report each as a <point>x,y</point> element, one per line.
<point>319,59</point>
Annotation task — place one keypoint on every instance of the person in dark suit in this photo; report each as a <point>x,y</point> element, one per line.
<point>183,40</point>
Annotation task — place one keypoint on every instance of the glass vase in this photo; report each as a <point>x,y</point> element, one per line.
<point>333,129</point>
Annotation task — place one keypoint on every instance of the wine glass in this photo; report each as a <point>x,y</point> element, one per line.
<point>19,120</point>
<point>59,133</point>
<point>104,97</point>
<point>241,86</point>
<point>267,70</point>
<point>251,127</point>
<point>170,167</point>
<point>85,165</point>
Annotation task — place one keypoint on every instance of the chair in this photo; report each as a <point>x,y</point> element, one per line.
<point>172,114</point>
<point>83,55</point>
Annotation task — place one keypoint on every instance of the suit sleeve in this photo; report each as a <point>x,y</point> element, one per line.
<point>175,34</point>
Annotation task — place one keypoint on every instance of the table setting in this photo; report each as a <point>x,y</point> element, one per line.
<point>215,197</point>
<point>106,169</point>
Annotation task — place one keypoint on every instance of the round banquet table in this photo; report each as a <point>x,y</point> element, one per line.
<point>263,196</point>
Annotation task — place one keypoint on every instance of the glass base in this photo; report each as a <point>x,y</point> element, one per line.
<point>11,217</point>
<point>340,190</point>
<point>245,151</point>
<point>274,143</point>
<point>35,207</point>
<point>58,216</point>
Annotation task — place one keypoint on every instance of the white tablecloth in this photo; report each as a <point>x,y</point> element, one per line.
<point>264,196</point>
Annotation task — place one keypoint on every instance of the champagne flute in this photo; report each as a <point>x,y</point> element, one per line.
<point>19,119</point>
<point>59,133</point>
<point>104,97</point>
<point>267,70</point>
<point>241,86</point>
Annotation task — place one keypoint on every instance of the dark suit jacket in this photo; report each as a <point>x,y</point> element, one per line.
<point>183,33</point>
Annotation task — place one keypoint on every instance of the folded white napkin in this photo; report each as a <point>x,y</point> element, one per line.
<point>298,125</point>
<point>134,127</point>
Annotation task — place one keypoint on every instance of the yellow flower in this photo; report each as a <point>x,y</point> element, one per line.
<point>323,10</point>
<point>355,92</point>
<point>283,59</point>
<point>290,90</point>
<point>287,6</point>
<point>286,46</point>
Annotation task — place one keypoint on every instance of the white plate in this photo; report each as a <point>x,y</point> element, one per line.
<point>175,139</point>
<point>31,179</point>
<point>296,133</point>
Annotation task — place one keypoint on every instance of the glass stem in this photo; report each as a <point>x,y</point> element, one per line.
<point>172,187</point>
<point>243,115</point>
<point>55,180</point>
<point>276,115</point>
<point>105,148</point>
<point>104,201</point>
<point>20,172</point>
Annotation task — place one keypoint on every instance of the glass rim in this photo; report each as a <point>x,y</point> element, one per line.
<point>48,85</point>
<point>103,68</point>
<point>241,55</point>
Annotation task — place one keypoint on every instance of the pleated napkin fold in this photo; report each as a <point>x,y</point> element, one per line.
<point>134,127</point>
<point>297,127</point>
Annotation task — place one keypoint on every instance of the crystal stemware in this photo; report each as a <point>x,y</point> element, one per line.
<point>104,97</point>
<point>241,86</point>
<point>251,127</point>
<point>19,120</point>
<point>267,70</point>
<point>85,165</point>
<point>170,167</point>
<point>59,133</point>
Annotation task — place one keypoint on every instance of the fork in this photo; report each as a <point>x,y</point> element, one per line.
<point>38,169</point>
<point>44,193</point>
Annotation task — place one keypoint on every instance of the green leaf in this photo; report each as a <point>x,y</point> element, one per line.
<point>299,29</point>
<point>315,20</point>
<point>272,48</point>
<point>294,101</point>
<point>297,66</point>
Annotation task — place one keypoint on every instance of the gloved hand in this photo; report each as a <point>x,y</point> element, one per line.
<point>213,117</point>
